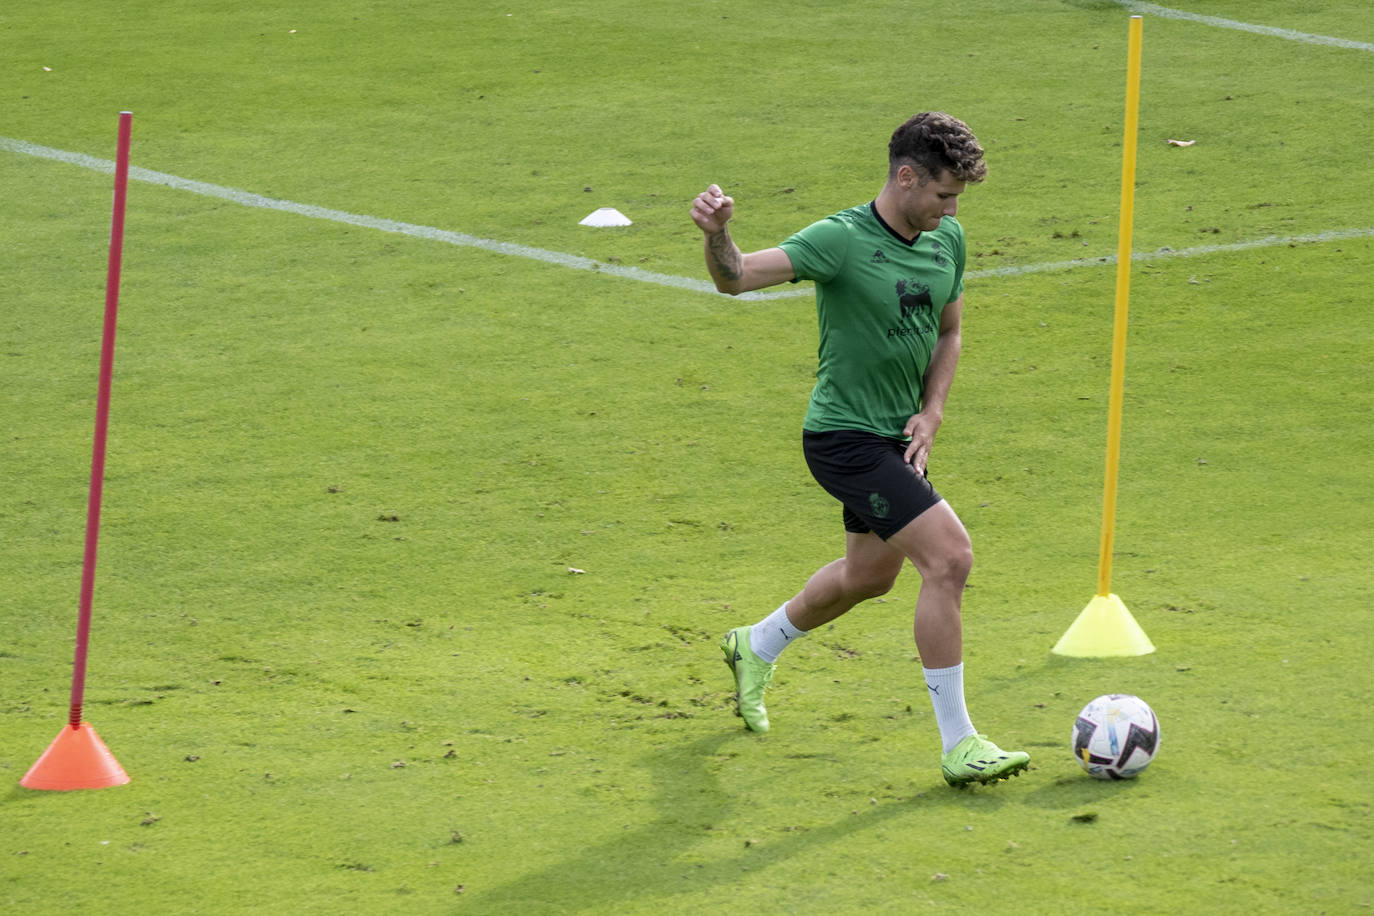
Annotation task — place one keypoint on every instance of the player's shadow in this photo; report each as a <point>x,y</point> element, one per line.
<point>658,859</point>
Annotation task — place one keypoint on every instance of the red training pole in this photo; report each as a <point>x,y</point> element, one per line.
<point>102,417</point>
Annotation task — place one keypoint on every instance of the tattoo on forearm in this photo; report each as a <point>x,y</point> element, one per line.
<point>725,257</point>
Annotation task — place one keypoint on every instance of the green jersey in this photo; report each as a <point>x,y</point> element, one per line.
<point>879,300</point>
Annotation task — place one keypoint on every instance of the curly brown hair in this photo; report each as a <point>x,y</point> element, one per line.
<point>932,142</point>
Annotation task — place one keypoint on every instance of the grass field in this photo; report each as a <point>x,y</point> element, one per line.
<point>415,554</point>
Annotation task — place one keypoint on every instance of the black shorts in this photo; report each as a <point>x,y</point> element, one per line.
<point>880,492</point>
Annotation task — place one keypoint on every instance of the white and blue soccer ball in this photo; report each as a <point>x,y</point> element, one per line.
<point>1116,736</point>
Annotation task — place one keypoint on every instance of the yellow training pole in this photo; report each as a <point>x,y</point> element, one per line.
<point>1123,295</point>
<point>1105,627</point>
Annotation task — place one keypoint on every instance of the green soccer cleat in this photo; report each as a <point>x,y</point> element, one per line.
<point>752,675</point>
<point>976,759</point>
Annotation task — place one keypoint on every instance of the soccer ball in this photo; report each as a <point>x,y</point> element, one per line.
<point>1115,736</point>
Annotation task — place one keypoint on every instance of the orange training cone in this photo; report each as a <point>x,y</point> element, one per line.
<point>76,759</point>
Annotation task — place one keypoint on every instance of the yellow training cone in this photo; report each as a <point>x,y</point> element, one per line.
<point>1105,628</point>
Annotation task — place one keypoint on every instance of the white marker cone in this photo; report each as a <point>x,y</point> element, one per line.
<point>606,216</point>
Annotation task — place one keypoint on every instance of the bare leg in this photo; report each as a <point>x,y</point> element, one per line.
<point>868,569</point>
<point>939,547</point>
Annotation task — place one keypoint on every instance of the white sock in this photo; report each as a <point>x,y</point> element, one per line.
<point>772,634</point>
<point>946,688</point>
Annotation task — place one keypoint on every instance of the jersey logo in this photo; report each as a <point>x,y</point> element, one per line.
<point>936,253</point>
<point>918,309</point>
<point>913,295</point>
<point>879,257</point>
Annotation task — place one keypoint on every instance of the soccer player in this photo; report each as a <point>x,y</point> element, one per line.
<point>889,296</point>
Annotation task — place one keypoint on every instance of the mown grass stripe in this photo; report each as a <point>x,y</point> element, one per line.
<point>577,262</point>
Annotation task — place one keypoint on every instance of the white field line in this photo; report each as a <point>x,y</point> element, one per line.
<point>577,262</point>
<point>249,199</point>
<point>1164,12</point>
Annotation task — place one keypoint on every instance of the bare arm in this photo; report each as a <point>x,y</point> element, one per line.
<point>923,426</point>
<point>732,270</point>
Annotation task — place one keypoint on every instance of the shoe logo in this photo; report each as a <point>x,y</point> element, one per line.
<point>879,257</point>
<point>732,646</point>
